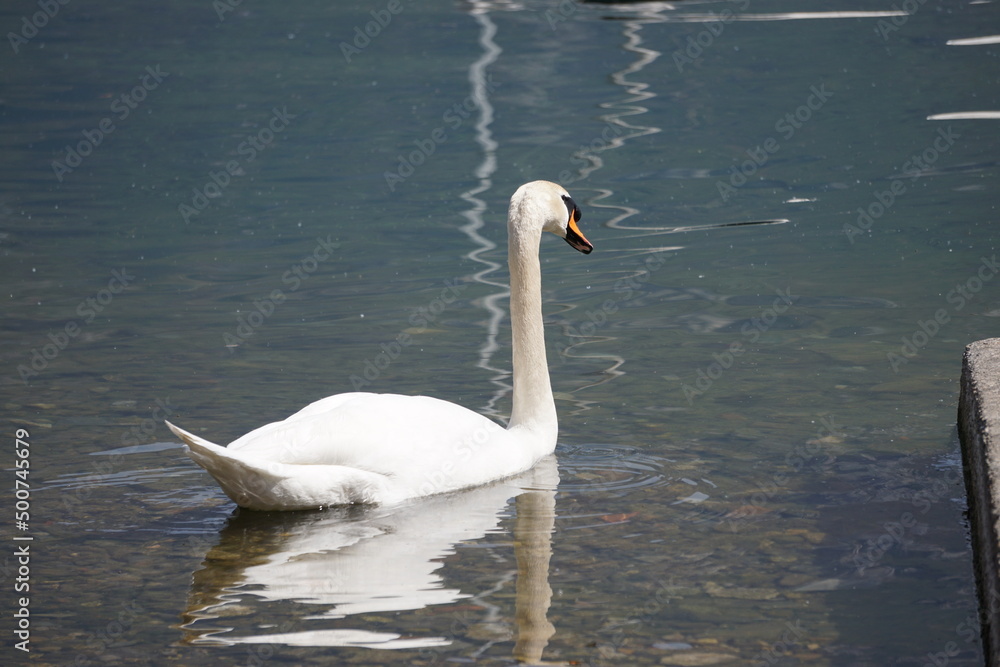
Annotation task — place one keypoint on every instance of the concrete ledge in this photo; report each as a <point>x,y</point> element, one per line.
<point>979,429</point>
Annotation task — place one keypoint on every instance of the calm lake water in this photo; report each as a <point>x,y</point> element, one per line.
<point>220,212</point>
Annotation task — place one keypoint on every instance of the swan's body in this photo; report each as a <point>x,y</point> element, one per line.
<point>385,448</point>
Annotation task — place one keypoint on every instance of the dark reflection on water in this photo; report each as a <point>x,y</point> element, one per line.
<point>743,476</point>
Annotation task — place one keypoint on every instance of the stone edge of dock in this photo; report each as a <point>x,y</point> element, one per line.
<point>979,430</point>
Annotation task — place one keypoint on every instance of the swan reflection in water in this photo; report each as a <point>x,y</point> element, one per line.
<point>345,562</point>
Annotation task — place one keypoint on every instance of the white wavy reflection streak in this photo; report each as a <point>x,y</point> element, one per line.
<point>786,16</point>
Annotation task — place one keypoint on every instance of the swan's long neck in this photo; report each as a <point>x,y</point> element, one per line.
<point>534,407</point>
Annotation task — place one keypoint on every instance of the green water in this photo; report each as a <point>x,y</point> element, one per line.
<point>758,460</point>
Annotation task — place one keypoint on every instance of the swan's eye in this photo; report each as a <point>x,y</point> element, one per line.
<point>572,208</point>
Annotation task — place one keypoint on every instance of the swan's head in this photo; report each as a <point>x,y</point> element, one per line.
<point>548,206</point>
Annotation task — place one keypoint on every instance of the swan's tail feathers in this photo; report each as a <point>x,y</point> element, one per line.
<point>259,484</point>
<point>241,479</point>
<point>190,439</point>
<point>235,476</point>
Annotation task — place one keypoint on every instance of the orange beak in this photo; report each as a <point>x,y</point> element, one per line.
<point>574,236</point>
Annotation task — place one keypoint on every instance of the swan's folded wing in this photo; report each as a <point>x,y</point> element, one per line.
<point>261,484</point>
<point>384,433</point>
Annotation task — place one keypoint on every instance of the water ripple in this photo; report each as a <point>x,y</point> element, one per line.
<point>607,468</point>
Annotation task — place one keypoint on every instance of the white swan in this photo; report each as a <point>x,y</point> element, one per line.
<point>385,448</point>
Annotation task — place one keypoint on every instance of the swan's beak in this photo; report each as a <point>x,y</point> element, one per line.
<point>575,237</point>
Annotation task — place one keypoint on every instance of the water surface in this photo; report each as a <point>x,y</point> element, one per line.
<point>757,461</point>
